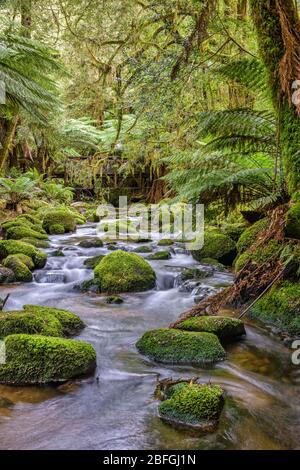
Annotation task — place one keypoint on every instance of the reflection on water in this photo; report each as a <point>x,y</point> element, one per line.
<point>116,409</point>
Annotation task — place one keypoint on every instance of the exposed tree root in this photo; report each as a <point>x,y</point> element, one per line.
<point>253,280</point>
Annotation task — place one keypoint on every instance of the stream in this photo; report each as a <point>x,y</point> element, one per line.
<point>116,408</point>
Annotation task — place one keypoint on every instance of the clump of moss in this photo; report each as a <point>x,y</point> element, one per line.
<point>213,262</point>
<point>195,273</point>
<point>223,327</point>
<point>234,231</point>
<point>21,271</point>
<point>12,247</point>
<point>143,249</point>
<point>58,253</point>
<point>24,259</point>
<point>6,275</point>
<point>259,256</point>
<point>56,229</point>
<point>91,243</point>
<point>124,272</point>
<point>71,324</point>
<point>92,262</point>
<point>29,323</point>
<point>173,346</point>
<point>217,245</point>
<point>159,256</point>
<point>252,234</point>
<point>19,232</point>
<point>165,242</point>
<point>193,404</point>
<point>114,299</point>
<point>35,242</point>
<point>280,307</point>
<point>292,227</point>
<point>33,359</point>
<point>61,217</point>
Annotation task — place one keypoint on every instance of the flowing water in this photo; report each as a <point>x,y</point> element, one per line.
<point>116,409</point>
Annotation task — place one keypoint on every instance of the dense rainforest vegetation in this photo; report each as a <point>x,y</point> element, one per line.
<point>165,102</point>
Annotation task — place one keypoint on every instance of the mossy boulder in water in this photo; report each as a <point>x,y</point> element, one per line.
<point>17,233</point>
<point>70,322</point>
<point>173,346</point>
<point>143,249</point>
<point>223,327</point>
<point>29,323</point>
<point>124,272</point>
<point>21,271</point>
<point>217,245</point>
<point>252,235</point>
<point>91,243</point>
<point>92,262</point>
<point>159,256</point>
<point>12,247</point>
<point>193,406</point>
<point>35,242</point>
<point>165,242</point>
<point>56,217</point>
<point>56,229</point>
<point>292,227</point>
<point>6,275</point>
<point>280,307</point>
<point>33,359</point>
<point>114,299</point>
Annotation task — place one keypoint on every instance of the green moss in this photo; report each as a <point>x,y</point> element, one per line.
<point>91,243</point>
<point>194,273</point>
<point>124,272</point>
<point>17,233</point>
<point>29,323</point>
<point>143,249</point>
<point>12,247</point>
<point>212,262</point>
<point>35,242</point>
<point>252,234</point>
<point>165,242</point>
<point>21,271</point>
<point>56,229</point>
<point>292,227</point>
<point>6,275</point>
<point>159,255</point>
<point>217,245</point>
<point>234,231</point>
<point>33,359</point>
<point>92,262</point>
<point>173,346</point>
<point>223,327</point>
<point>114,299</point>
<point>61,217</point>
<point>57,253</point>
<point>24,259</point>
<point>193,404</point>
<point>71,324</point>
<point>280,307</point>
<point>258,256</point>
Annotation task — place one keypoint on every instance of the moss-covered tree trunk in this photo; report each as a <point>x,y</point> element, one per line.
<point>278,29</point>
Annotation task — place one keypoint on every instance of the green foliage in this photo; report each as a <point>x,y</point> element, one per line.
<point>58,192</point>
<point>124,272</point>
<point>280,307</point>
<point>172,346</point>
<point>33,359</point>
<point>193,404</point>
<point>292,228</point>
<point>223,327</point>
<point>17,190</point>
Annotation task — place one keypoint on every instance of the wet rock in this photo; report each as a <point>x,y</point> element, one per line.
<point>88,286</point>
<point>92,262</point>
<point>91,243</point>
<point>50,277</point>
<point>143,249</point>
<point>114,299</point>
<point>57,253</point>
<point>6,275</point>
<point>223,327</point>
<point>197,273</point>
<point>159,255</point>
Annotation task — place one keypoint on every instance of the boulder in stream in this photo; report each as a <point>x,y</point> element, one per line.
<point>159,255</point>
<point>33,359</point>
<point>6,275</point>
<point>92,262</point>
<point>70,322</point>
<point>224,327</point>
<point>20,269</point>
<point>124,272</point>
<point>91,243</point>
<point>217,245</point>
<point>12,247</point>
<point>193,406</point>
<point>173,346</point>
<point>55,219</point>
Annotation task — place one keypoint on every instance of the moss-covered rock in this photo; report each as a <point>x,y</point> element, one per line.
<point>234,231</point>
<point>280,307</point>
<point>292,227</point>
<point>217,245</point>
<point>29,323</point>
<point>124,272</point>
<point>252,235</point>
<point>35,242</point>
<point>61,217</point>
<point>33,359</point>
<point>56,229</point>
<point>17,233</point>
<point>91,243</point>
<point>173,346</point>
<point>114,299</point>
<point>143,249</point>
<point>193,405</point>
<point>25,259</point>
<point>159,255</point>
<point>6,275</point>
<point>21,271</point>
<point>92,262</point>
<point>196,273</point>
<point>213,262</point>
<point>71,323</point>
<point>58,253</point>
<point>12,247</point>
<point>223,327</point>
<point>259,255</point>
<point>165,242</point>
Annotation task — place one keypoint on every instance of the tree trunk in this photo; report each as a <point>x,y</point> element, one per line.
<point>26,20</point>
<point>7,142</point>
<point>278,29</point>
